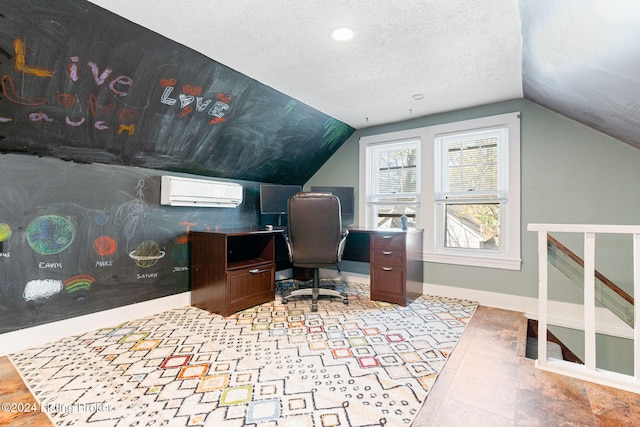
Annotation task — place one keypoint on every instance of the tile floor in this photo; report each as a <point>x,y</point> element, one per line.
<point>486,382</point>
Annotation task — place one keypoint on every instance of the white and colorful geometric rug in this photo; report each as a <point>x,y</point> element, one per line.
<point>362,364</point>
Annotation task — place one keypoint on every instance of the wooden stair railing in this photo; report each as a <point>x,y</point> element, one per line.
<point>608,293</point>
<point>596,295</point>
<point>567,353</point>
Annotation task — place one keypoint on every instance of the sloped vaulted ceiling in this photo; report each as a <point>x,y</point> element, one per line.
<point>81,83</point>
<point>582,59</point>
<point>452,54</point>
<point>305,93</point>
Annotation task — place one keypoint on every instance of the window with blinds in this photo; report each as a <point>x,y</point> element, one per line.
<point>473,165</point>
<point>394,183</point>
<point>397,170</point>
<point>458,181</point>
<point>472,190</point>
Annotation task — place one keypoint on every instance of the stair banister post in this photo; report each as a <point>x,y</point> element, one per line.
<point>636,306</point>
<point>542,297</point>
<point>589,301</point>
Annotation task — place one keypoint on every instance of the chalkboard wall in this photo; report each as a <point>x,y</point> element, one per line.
<point>77,238</point>
<point>79,82</point>
<point>93,110</point>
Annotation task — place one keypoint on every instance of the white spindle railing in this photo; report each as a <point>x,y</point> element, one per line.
<point>589,370</point>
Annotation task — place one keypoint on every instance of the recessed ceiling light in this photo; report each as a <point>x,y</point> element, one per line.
<point>342,34</point>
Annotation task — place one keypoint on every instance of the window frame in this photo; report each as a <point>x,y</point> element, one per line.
<point>367,211</point>
<point>427,215</point>
<point>509,255</point>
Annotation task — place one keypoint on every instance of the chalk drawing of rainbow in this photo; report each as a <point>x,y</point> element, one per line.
<point>78,286</point>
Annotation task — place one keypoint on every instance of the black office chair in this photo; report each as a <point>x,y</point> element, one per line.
<point>315,240</point>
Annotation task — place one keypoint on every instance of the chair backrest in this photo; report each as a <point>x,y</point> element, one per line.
<point>314,229</point>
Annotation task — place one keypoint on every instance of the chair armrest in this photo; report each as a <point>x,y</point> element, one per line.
<point>289,248</point>
<point>342,244</point>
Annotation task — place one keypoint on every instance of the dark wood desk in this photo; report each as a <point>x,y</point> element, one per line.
<point>395,261</point>
<point>235,269</point>
<point>232,270</point>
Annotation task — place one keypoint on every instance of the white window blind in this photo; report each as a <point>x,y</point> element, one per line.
<point>396,170</point>
<point>473,164</point>
<point>461,184</point>
<point>393,188</point>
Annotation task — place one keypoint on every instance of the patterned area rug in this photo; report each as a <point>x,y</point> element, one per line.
<point>362,364</point>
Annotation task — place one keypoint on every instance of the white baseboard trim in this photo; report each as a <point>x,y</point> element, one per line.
<point>561,314</point>
<point>284,274</point>
<point>11,342</point>
<point>598,376</point>
<point>347,276</point>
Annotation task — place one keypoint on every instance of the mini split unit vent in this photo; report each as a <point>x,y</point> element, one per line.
<point>178,191</point>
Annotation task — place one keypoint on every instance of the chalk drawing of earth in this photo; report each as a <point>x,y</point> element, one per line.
<point>50,234</point>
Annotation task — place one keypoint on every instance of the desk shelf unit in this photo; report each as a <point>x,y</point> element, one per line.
<point>231,271</point>
<point>395,264</point>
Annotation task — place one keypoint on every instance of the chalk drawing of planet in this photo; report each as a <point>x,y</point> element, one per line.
<point>50,234</point>
<point>5,232</point>
<point>105,246</point>
<point>101,218</point>
<point>147,254</point>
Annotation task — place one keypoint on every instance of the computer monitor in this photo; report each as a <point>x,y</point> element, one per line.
<point>274,198</point>
<point>345,194</point>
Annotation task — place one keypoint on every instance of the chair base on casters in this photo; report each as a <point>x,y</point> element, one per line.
<point>315,291</point>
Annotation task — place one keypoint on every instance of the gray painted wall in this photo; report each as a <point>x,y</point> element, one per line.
<point>570,174</point>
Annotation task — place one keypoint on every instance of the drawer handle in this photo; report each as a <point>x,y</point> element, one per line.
<point>386,252</point>
<point>387,237</point>
<point>387,268</point>
<point>254,271</point>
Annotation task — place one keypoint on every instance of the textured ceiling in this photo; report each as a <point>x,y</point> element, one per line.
<point>580,58</point>
<point>456,54</point>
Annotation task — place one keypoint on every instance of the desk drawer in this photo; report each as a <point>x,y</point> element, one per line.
<point>388,257</point>
<point>387,241</point>
<point>250,286</point>
<point>388,284</point>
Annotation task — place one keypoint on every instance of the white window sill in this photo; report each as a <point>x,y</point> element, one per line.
<point>473,261</point>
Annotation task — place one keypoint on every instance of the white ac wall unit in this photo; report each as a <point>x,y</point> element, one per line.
<point>178,191</point>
